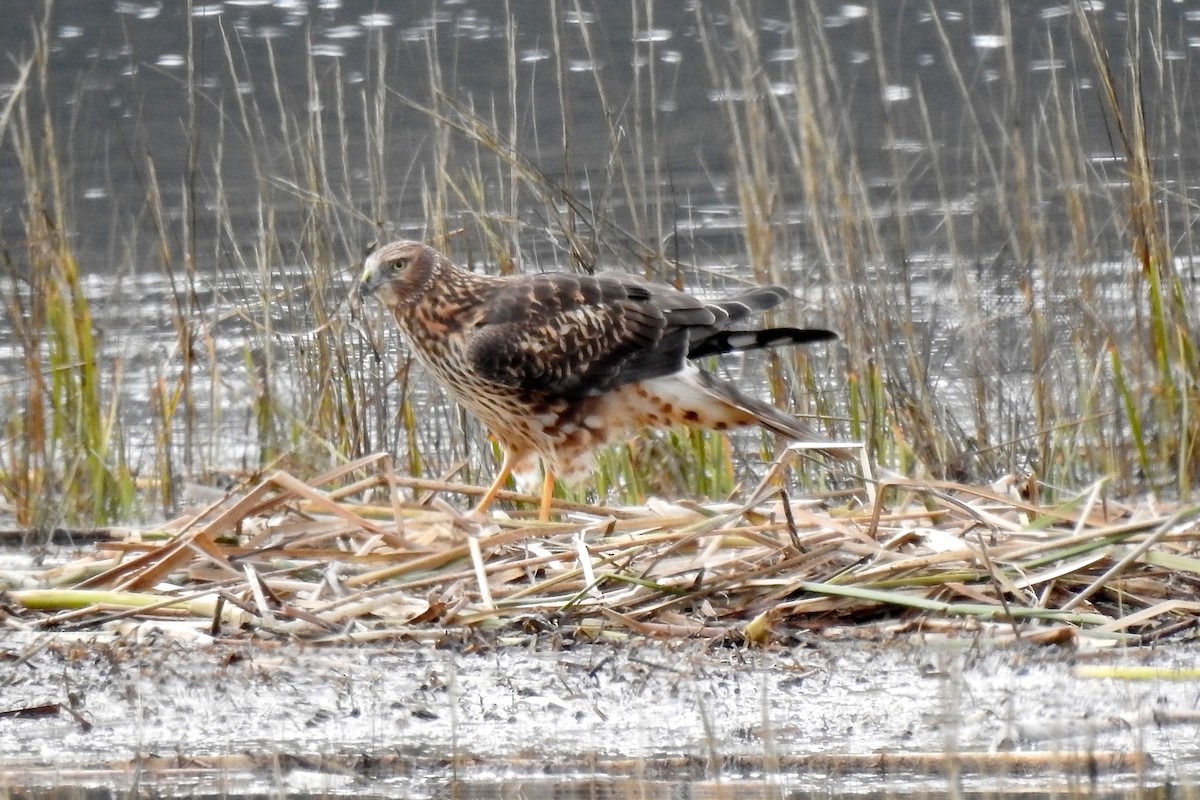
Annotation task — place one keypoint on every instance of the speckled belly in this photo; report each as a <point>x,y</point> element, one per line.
<point>566,432</point>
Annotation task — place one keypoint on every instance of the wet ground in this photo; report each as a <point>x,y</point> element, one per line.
<point>543,716</point>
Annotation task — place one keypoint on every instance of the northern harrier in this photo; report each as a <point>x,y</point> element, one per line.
<point>556,365</point>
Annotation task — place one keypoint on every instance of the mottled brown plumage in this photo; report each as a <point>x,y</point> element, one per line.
<point>556,365</point>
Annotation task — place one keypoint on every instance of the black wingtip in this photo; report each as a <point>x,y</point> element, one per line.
<point>810,335</point>
<point>741,341</point>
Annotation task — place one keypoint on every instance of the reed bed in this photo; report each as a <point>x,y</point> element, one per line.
<point>325,561</point>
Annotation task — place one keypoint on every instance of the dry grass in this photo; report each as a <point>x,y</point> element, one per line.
<point>298,560</point>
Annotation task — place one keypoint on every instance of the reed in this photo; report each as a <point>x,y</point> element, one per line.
<point>933,556</point>
<point>987,427</point>
<point>984,327</point>
<point>64,459</point>
<point>1168,379</point>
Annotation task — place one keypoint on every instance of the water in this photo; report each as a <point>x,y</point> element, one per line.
<point>197,716</point>
<point>118,72</point>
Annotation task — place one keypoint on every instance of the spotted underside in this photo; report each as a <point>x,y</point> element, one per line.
<point>557,365</point>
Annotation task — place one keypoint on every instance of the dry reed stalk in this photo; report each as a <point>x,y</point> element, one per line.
<point>299,563</point>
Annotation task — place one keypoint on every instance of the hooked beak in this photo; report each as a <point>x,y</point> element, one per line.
<point>369,281</point>
<point>365,291</point>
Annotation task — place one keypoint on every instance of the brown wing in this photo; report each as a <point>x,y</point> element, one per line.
<point>580,335</point>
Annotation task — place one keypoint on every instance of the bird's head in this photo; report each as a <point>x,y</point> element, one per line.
<point>397,271</point>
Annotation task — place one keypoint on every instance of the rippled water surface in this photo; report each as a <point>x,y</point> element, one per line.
<point>119,69</point>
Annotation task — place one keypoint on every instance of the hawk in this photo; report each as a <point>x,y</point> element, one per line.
<point>556,365</point>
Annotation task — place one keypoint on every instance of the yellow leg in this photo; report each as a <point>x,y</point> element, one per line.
<point>547,494</point>
<point>490,495</point>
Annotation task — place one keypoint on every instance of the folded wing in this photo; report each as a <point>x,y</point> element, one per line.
<point>583,335</point>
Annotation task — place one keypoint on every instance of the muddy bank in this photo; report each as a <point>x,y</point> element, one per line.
<point>244,717</point>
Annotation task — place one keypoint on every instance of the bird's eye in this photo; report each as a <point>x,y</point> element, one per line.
<point>399,264</point>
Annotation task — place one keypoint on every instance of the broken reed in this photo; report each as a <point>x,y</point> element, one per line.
<point>303,560</point>
<point>321,381</point>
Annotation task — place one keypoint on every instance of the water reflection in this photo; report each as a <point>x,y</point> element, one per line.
<point>134,55</point>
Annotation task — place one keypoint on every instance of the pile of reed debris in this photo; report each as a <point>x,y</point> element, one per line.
<point>304,561</point>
